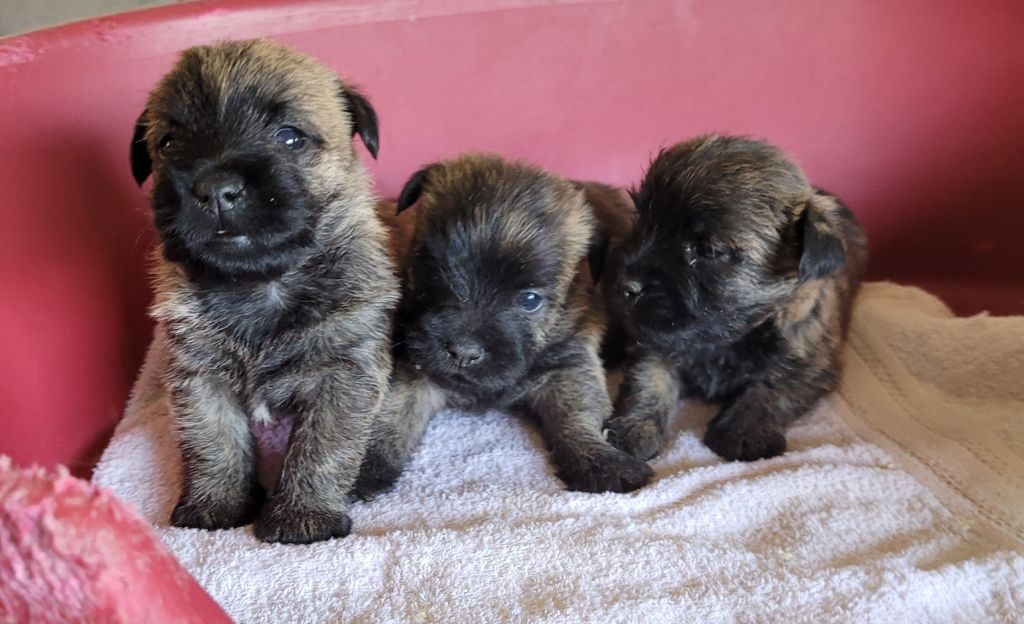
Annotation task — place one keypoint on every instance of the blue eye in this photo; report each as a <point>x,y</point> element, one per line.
<point>290,137</point>
<point>530,301</point>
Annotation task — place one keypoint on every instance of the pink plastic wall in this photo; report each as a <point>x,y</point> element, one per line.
<point>910,110</point>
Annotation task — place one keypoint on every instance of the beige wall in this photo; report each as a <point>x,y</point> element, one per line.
<point>18,16</point>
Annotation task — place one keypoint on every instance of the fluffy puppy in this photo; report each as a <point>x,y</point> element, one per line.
<point>273,282</point>
<point>500,311</point>
<point>735,288</point>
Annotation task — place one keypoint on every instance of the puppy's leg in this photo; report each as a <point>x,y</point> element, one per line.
<point>336,409</point>
<point>410,403</point>
<point>572,405</point>
<point>753,425</point>
<point>219,486</point>
<point>649,393</point>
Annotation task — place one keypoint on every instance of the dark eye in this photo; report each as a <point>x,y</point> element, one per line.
<point>530,301</point>
<point>290,138</point>
<point>165,142</point>
<point>712,251</point>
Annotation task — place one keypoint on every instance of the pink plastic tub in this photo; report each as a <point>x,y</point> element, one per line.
<point>910,111</point>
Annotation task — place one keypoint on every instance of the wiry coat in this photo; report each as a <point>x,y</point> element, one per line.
<point>279,298</point>
<point>735,287</point>
<point>492,240</point>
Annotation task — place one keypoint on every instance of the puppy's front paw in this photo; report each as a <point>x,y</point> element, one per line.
<point>376,475</point>
<point>640,437</point>
<point>222,513</point>
<point>608,470</point>
<point>743,440</point>
<point>300,526</point>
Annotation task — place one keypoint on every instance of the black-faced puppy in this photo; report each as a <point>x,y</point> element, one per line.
<point>735,288</point>
<point>500,311</point>
<point>273,282</point>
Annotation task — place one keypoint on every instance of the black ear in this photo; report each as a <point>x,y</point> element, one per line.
<point>597,253</point>
<point>413,188</point>
<point>823,251</point>
<point>364,118</point>
<point>142,164</point>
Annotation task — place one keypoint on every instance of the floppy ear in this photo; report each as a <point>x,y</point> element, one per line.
<point>597,253</point>
<point>413,188</point>
<point>142,164</point>
<point>612,209</point>
<point>823,251</point>
<point>364,118</point>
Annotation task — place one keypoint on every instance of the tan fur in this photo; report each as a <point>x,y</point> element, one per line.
<point>337,384</point>
<point>762,331</point>
<point>570,400</point>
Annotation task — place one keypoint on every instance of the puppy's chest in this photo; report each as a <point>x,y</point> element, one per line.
<point>253,318</point>
<point>718,372</point>
<point>234,334</point>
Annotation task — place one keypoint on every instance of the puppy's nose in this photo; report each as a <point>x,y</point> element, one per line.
<point>464,351</point>
<point>219,190</point>
<point>630,289</point>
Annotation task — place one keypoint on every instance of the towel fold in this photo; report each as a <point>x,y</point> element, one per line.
<point>900,499</point>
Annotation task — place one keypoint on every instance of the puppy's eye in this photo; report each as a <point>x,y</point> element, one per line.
<point>290,138</point>
<point>164,143</point>
<point>712,251</point>
<point>529,301</point>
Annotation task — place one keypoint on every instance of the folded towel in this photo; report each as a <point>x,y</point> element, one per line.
<point>900,499</point>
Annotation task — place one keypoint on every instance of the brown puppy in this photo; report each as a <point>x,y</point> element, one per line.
<point>273,283</point>
<point>500,311</point>
<point>734,287</point>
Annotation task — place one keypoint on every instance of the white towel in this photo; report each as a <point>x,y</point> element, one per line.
<point>916,517</point>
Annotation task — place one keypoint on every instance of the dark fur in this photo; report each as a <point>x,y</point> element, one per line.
<point>735,287</point>
<point>487,231</point>
<point>276,294</point>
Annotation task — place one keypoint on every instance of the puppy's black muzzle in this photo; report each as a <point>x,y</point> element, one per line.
<point>464,352</point>
<point>222,193</point>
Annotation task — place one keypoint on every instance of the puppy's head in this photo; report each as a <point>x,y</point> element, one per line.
<point>248,144</point>
<point>495,252</point>
<point>727,228</point>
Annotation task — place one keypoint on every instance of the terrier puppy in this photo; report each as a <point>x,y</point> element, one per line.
<point>734,287</point>
<point>500,311</point>
<point>273,283</point>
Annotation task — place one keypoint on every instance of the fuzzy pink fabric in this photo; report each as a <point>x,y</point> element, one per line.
<point>71,552</point>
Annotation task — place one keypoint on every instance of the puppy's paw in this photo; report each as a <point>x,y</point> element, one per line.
<point>211,514</point>
<point>739,440</point>
<point>609,470</point>
<point>376,476</point>
<point>300,526</point>
<point>640,437</point>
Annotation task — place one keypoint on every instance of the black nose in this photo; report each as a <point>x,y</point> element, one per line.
<point>630,289</point>
<point>465,351</point>
<point>219,190</point>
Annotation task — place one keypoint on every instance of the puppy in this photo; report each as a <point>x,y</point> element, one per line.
<point>500,311</point>
<point>273,283</point>
<point>735,288</point>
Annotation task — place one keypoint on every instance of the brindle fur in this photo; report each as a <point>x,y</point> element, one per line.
<point>298,320</point>
<point>735,288</point>
<point>481,232</point>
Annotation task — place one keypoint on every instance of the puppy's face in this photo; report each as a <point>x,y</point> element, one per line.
<point>248,142</point>
<point>717,245</point>
<point>495,250</point>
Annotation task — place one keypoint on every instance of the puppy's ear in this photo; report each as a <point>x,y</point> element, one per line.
<point>613,209</point>
<point>597,253</point>
<point>142,164</point>
<point>364,118</point>
<point>414,188</point>
<point>823,251</point>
